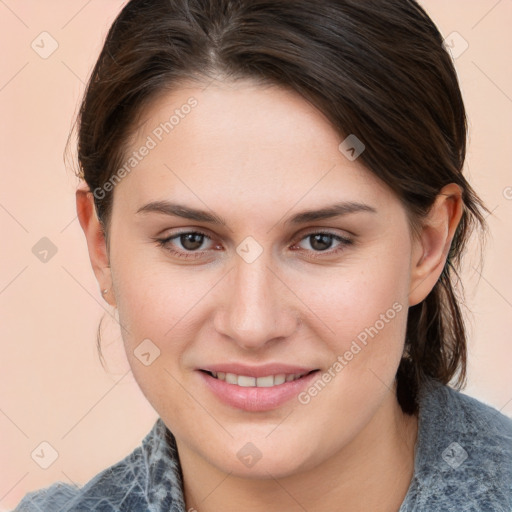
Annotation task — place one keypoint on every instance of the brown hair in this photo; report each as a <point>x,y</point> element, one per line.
<point>377,69</point>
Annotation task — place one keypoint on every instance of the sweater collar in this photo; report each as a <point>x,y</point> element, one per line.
<point>164,486</point>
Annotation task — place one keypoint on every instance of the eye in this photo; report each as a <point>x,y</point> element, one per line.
<point>321,242</point>
<point>190,242</point>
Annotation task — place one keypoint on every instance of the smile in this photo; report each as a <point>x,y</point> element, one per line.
<point>256,393</point>
<point>246,381</point>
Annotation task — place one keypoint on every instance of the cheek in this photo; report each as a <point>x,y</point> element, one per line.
<point>162,309</point>
<point>152,295</point>
<point>366,313</point>
<point>156,309</point>
<point>366,296</point>
<point>156,305</point>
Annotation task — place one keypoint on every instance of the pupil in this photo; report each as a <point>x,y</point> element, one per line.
<point>191,241</point>
<point>325,242</point>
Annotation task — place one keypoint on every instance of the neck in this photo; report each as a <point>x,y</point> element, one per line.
<point>372,473</point>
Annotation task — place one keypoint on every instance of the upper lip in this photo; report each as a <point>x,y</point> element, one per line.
<point>257,371</point>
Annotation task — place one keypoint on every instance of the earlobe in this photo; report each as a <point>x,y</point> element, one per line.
<point>431,248</point>
<point>95,237</point>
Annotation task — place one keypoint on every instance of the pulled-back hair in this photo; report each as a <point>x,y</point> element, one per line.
<point>377,69</point>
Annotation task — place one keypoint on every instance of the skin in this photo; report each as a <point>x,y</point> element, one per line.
<point>256,156</point>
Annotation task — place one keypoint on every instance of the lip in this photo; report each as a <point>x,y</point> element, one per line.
<point>256,399</point>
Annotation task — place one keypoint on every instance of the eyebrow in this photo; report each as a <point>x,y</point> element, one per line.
<point>328,212</point>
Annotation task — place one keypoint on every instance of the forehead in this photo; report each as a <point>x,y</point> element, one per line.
<point>240,142</point>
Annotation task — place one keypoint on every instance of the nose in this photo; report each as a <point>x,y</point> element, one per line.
<point>256,307</point>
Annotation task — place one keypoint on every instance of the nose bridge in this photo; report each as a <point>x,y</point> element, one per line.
<point>257,309</point>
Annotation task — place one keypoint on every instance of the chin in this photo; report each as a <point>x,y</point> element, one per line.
<point>259,460</point>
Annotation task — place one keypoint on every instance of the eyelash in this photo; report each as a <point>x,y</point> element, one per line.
<point>163,242</point>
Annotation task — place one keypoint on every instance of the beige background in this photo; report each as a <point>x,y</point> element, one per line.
<point>53,388</point>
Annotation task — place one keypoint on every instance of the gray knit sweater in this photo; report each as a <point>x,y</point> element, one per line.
<point>463,463</point>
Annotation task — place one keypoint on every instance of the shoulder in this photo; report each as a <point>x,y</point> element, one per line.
<point>53,497</point>
<point>146,476</point>
<point>463,455</point>
<point>119,483</point>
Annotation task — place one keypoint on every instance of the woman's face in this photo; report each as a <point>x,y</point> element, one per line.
<point>271,292</point>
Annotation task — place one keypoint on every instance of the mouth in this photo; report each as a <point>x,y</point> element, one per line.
<point>266,389</point>
<point>268,381</point>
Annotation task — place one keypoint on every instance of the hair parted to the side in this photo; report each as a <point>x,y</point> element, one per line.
<point>377,69</point>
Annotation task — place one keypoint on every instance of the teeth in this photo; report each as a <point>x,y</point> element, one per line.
<point>231,378</point>
<point>279,379</point>
<point>265,382</point>
<point>246,382</point>
<point>260,382</point>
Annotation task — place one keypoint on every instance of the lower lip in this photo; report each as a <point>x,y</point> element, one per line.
<point>255,399</point>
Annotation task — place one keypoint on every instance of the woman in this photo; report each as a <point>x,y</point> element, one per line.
<point>274,203</point>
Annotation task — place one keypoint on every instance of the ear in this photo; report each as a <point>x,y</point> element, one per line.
<point>431,248</point>
<point>96,243</point>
